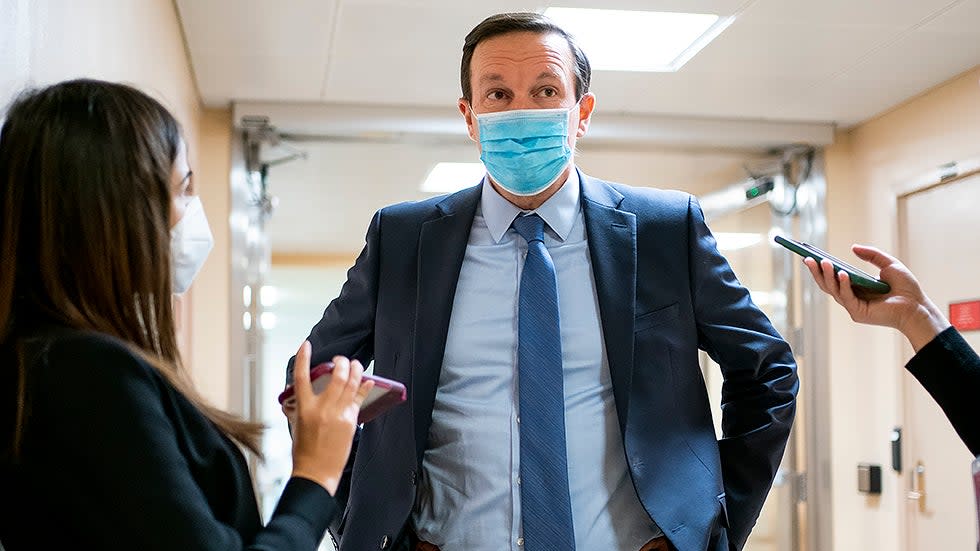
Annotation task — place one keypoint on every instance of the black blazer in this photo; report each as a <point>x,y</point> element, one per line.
<point>664,292</point>
<point>115,458</point>
<point>950,371</point>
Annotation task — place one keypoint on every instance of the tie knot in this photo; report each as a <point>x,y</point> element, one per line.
<point>531,227</point>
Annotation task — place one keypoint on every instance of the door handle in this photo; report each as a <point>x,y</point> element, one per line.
<point>917,486</point>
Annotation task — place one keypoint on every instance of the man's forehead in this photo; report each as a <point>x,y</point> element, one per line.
<point>523,47</point>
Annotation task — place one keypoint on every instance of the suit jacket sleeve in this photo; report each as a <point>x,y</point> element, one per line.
<point>123,475</point>
<point>347,327</point>
<point>949,369</point>
<point>758,399</point>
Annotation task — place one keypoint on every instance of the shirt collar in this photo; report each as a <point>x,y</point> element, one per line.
<point>559,211</point>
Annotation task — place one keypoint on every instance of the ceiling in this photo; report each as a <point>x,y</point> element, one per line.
<point>832,61</point>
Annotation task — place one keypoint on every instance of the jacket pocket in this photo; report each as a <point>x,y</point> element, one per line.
<point>655,318</point>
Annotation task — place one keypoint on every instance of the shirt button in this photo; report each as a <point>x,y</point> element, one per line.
<point>518,481</point>
<point>520,541</point>
<point>384,542</point>
<point>518,420</point>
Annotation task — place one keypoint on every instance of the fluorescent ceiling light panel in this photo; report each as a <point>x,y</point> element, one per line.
<point>450,177</point>
<point>621,40</point>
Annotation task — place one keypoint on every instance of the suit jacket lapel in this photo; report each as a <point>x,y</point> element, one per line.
<point>442,246</point>
<point>612,249</point>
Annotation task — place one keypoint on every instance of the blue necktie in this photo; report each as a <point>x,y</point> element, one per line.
<point>546,508</point>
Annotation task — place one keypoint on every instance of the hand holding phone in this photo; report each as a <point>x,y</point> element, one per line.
<point>385,394</point>
<point>859,279</point>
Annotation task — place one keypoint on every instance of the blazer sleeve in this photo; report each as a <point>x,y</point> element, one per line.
<point>758,400</point>
<point>123,477</point>
<point>949,369</point>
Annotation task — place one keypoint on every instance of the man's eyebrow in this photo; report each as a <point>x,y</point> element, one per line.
<point>549,74</point>
<point>492,77</point>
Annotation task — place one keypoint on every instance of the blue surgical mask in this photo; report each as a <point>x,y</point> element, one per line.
<point>525,150</point>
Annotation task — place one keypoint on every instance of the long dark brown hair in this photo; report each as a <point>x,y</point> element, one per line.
<point>85,202</point>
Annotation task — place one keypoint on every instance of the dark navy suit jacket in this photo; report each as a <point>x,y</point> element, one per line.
<point>664,291</point>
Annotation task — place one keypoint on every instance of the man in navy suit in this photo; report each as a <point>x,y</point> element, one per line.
<point>542,286</point>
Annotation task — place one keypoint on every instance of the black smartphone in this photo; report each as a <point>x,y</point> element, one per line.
<point>859,279</point>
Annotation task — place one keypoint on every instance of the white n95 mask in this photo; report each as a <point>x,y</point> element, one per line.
<point>190,243</point>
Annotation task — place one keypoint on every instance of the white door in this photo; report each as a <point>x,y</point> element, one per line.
<point>940,242</point>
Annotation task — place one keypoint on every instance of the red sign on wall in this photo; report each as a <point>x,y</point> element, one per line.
<point>965,316</point>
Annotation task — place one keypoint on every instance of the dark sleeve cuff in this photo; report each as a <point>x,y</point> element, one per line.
<point>941,349</point>
<point>949,370</point>
<point>309,501</point>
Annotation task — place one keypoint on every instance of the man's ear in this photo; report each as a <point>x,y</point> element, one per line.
<point>585,108</point>
<point>467,111</point>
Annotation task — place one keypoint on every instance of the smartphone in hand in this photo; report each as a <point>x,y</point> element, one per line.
<point>385,394</point>
<point>859,279</point>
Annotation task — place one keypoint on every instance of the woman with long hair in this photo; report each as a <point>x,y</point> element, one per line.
<point>103,440</point>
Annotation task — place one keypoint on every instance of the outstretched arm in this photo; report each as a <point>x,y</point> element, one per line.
<point>946,366</point>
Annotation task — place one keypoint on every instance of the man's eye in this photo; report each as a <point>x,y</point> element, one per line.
<point>549,92</point>
<point>496,95</point>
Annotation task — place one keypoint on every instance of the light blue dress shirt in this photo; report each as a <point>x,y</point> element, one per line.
<point>469,494</point>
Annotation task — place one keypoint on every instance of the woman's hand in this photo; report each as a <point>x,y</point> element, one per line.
<point>324,424</point>
<point>905,307</point>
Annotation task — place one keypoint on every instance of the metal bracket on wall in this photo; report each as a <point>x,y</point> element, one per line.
<point>259,136</point>
<point>776,183</point>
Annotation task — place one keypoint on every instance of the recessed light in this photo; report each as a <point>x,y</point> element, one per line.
<point>624,40</point>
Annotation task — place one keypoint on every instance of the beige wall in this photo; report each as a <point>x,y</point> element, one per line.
<point>138,42</point>
<point>209,355</point>
<point>867,167</point>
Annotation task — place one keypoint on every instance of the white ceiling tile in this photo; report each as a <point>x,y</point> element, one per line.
<point>965,17</point>
<point>919,61</point>
<point>901,13</point>
<point>793,49</point>
<point>248,48</point>
<point>378,58</point>
<point>723,95</point>
<point>264,77</point>
<point>721,7</point>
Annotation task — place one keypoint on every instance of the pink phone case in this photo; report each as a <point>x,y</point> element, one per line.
<point>385,394</point>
